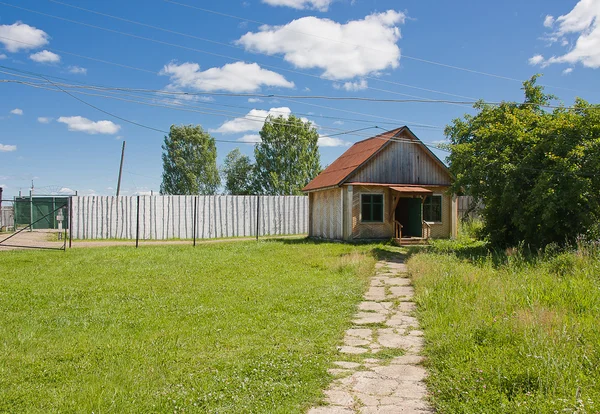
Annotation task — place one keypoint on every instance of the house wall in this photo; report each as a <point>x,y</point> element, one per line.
<point>326,212</point>
<point>402,163</point>
<point>361,230</point>
<point>443,230</point>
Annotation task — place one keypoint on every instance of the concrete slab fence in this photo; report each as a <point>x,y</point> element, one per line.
<point>179,217</point>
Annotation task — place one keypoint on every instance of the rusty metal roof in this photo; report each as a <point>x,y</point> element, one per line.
<point>350,160</point>
<point>411,189</point>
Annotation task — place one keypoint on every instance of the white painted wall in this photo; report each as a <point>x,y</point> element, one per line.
<point>172,217</point>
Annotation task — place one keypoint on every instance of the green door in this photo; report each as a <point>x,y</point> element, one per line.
<point>415,223</point>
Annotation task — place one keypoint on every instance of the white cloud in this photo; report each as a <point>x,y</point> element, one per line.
<point>7,148</point>
<point>20,36</point>
<point>338,122</point>
<point>77,70</point>
<point>567,71</point>
<point>321,5</point>
<point>251,138</point>
<point>582,24</point>
<point>44,120</point>
<point>548,21</point>
<point>355,48</point>
<point>17,111</point>
<point>3,56</point>
<point>536,60</point>
<point>332,142</point>
<point>66,190</point>
<point>232,77</point>
<point>45,56</point>
<point>254,100</point>
<point>352,86</point>
<point>81,124</point>
<point>253,121</point>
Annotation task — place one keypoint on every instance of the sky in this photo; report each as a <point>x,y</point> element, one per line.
<point>77,78</point>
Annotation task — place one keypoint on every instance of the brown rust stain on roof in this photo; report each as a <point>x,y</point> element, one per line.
<point>350,160</point>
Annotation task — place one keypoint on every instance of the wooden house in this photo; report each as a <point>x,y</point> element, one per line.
<point>387,186</point>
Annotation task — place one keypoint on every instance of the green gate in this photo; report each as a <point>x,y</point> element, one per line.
<point>31,209</point>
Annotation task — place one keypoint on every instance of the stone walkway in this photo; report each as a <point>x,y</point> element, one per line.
<point>370,383</point>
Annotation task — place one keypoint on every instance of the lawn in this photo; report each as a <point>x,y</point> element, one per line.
<point>241,327</point>
<point>510,334</point>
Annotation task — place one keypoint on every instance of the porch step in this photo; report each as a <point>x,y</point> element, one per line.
<point>411,241</point>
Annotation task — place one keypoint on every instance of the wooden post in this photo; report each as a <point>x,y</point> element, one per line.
<point>121,169</point>
<point>70,222</point>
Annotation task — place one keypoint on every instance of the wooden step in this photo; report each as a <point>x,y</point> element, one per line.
<point>411,241</point>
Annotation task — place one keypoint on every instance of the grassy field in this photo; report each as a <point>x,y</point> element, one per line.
<point>223,328</point>
<point>510,334</point>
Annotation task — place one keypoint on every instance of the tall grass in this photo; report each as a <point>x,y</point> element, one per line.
<point>510,331</point>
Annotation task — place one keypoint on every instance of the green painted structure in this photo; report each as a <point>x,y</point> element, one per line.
<point>31,209</point>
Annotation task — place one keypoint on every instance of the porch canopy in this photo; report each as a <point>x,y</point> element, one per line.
<point>411,191</point>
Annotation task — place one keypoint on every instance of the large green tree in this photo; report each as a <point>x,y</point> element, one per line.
<point>189,162</point>
<point>287,157</point>
<point>237,171</point>
<point>536,170</point>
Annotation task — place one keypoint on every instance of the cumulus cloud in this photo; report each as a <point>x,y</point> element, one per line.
<point>548,21</point>
<point>66,190</point>
<point>582,24</point>
<point>20,36</point>
<point>332,142</point>
<point>45,56</point>
<point>17,111</point>
<point>253,121</point>
<point>341,50</point>
<point>44,120</point>
<point>251,138</point>
<point>3,56</point>
<point>254,100</point>
<point>81,124</point>
<point>567,71</point>
<point>233,77</point>
<point>7,148</point>
<point>321,5</point>
<point>352,86</point>
<point>536,60</point>
<point>77,70</point>
<point>338,122</point>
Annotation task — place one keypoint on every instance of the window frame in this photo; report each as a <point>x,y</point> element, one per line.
<point>362,220</point>
<point>441,196</point>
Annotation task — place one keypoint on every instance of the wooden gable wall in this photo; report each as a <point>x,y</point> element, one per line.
<point>402,163</point>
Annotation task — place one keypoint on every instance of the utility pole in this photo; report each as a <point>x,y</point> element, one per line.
<point>121,169</point>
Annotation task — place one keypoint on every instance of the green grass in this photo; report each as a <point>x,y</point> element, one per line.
<point>240,327</point>
<point>510,333</point>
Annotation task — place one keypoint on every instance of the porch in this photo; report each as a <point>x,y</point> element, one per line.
<point>409,226</point>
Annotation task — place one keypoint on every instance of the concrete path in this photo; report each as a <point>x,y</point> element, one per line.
<point>384,325</point>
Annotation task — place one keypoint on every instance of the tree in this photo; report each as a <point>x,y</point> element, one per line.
<point>288,156</point>
<point>189,162</point>
<point>535,171</point>
<point>237,171</point>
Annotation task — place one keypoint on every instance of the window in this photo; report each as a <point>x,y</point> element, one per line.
<point>432,208</point>
<point>371,208</point>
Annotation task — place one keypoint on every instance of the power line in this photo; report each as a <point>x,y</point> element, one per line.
<point>190,48</point>
<point>431,62</point>
<point>242,48</point>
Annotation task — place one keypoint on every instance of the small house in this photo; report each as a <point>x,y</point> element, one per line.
<point>387,186</point>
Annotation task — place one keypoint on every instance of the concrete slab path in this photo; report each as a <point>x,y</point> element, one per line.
<point>383,321</point>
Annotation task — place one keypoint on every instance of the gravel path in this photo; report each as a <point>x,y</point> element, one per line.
<point>384,322</point>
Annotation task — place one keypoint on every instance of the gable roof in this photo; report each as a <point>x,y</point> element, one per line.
<point>349,161</point>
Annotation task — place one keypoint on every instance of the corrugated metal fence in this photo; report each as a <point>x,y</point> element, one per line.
<point>180,217</point>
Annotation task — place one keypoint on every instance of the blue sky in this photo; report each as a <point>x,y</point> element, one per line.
<point>338,48</point>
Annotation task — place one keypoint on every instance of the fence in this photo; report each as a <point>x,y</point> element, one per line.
<point>187,217</point>
<point>7,217</point>
<point>467,208</point>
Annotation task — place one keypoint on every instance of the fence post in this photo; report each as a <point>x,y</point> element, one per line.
<point>195,218</point>
<point>257,216</point>
<point>70,221</point>
<point>137,229</point>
